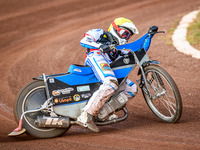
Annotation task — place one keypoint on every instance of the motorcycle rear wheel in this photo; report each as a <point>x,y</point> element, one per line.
<point>165,101</point>
<point>32,97</point>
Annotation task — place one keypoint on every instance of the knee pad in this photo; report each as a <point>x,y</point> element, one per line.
<point>102,95</point>
<point>112,82</point>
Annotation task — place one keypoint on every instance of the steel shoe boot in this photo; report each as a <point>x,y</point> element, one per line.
<point>86,120</point>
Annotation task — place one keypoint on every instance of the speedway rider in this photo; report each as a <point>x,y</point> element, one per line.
<point>100,54</point>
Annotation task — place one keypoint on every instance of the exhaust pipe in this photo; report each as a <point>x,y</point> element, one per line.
<point>52,122</point>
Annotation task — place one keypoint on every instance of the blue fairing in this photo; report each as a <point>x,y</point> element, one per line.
<point>122,73</point>
<point>77,79</point>
<point>143,42</point>
<point>84,75</point>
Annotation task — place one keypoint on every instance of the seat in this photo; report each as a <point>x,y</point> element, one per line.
<point>80,69</point>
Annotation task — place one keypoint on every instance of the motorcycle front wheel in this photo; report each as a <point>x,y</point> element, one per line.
<point>164,99</point>
<point>30,98</point>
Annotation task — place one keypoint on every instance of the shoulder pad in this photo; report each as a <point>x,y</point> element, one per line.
<point>95,33</point>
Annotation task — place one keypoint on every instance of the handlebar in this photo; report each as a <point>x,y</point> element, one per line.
<point>160,32</point>
<point>143,42</point>
<point>153,30</point>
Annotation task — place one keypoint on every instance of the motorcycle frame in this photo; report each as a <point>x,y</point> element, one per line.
<point>142,62</point>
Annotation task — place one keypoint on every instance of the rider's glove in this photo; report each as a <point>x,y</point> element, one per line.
<point>110,50</point>
<point>114,54</point>
<point>105,48</point>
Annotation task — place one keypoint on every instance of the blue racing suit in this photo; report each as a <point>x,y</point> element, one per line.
<point>99,62</point>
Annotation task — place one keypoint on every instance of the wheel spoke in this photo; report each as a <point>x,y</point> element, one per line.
<point>157,80</point>
<point>169,101</point>
<point>168,105</point>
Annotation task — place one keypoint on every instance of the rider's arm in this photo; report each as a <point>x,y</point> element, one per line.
<point>90,38</point>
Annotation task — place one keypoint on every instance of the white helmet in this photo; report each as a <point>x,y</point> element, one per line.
<point>122,29</point>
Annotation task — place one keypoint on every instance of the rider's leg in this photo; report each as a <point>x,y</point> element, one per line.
<point>105,74</point>
<point>99,98</point>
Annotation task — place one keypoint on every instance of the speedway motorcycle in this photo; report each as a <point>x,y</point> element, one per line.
<point>50,105</point>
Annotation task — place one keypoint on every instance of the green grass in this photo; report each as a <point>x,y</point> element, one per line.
<point>169,33</point>
<point>193,33</point>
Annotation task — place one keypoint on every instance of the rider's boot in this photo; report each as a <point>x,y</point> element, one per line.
<point>87,120</point>
<point>96,102</point>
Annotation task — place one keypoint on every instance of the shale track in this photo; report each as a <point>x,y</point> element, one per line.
<point>42,36</point>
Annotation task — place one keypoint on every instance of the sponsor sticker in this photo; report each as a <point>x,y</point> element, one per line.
<point>76,97</point>
<point>83,88</point>
<point>51,80</point>
<point>126,60</point>
<point>56,93</point>
<point>85,96</point>
<point>63,100</point>
<point>89,39</point>
<point>77,70</point>
<point>62,91</point>
<point>56,100</point>
<point>105,67</point>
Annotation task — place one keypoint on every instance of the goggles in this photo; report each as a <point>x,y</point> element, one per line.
<point>122,32</point>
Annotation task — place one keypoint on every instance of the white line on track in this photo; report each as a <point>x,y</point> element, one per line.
<point>179,36</point>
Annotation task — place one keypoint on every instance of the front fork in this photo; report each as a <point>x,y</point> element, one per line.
<point>143,83</point>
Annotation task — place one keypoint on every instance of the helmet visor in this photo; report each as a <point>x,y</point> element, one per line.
<point>123,33</point>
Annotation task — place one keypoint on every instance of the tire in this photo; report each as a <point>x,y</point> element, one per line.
<point>165,101</point>
<point>32,97</point>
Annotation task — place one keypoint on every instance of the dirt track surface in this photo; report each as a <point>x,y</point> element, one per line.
<point>42,36</point>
